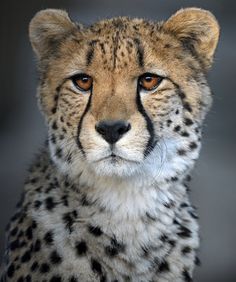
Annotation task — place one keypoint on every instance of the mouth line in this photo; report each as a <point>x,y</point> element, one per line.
<point>114,158</point>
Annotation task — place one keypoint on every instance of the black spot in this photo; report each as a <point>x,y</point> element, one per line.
<point>185,134</point>
<point>193,145</point>
<point>14,231</point>
<point>65,200</point>
<point>114,248</point>
<point>34,180</point>
<point>177,128</point>
<point>186,276</point>
<point>28,278</point>
<point>164,238</point>
<point>184,205</point>
<point>103,278</point>
<point>188,178</point>
<point>81,248</point>
<point>187,106</point>
<point>11,270</point>
<point>34,266</point>
<point>156,261</point>
<point>29,233</point>
<point>22,244</point>
<point>34,224</point>
<point>180,93</point>
<point>44,268</point>
<point>84,201</point>
<point>197,261</point>
<point>181,152</point>
<point>145,250</point>
<point>149,216</point>
<point>58,153</point>
<point>167,45</point>
<point>172,243</point>
<point>111,251</point>
<point>169,121</point>
<point>164,266</point>
<point>37,245</point>
<point>193,214</point>
<point>55,258</point>
<point>48,238</point>
<point>186,250</point>
<point>14,245</point>
<point>26,257</point>
<point>54,109</point>
<point>188,121</point>
<point>184,232</point>
<point>54,125</point>
<point>96,266</point>
<point>68,220</point>
<point>20,279</point>
<point>169,205</point>
<point>56,278</point>
<point>37,204</point>
<point>49,203</point>
<point>73,279</point>
<point>95,230</point>
<point>174,179</point>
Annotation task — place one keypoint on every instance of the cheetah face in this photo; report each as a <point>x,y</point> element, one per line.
<point>124,96</point>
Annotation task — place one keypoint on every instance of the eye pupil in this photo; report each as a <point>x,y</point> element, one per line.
<point>148,79</point>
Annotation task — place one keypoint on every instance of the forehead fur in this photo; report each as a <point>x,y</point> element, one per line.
<point>120,49</point>
<point>196,30</point>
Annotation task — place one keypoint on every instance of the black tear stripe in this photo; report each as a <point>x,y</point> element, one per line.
<point>80,123</point>
<point>140,52</point>
<point>152,139</point>
<point>90,53</point>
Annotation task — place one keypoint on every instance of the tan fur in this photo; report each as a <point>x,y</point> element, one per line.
<point>94,210</point>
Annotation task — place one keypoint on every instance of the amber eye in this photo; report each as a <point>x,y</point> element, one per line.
<point>83,82</point>
<point>149,81</point>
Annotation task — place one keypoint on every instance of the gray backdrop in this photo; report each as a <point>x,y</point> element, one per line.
<point>22,129</point>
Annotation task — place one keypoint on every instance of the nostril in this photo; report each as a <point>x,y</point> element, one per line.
<point>124,128</point>
<point>100,129</point>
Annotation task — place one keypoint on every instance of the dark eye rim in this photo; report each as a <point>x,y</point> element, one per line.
<point>80,76</point>
<point>160,78</point>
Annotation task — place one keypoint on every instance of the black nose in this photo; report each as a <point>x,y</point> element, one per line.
<point>112,130</point>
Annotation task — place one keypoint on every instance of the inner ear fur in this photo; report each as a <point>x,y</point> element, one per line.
<point>198,30</point>
<point>47,28</point>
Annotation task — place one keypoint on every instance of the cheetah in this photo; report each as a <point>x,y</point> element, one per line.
<point>106,199</point>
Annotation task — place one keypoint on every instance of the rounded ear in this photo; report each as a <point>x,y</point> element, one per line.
<point>47,28</point>
<point>198,30</point>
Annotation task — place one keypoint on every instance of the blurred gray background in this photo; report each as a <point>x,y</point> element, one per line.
<point>22,130</point>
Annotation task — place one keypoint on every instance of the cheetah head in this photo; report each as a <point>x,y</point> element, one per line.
<point>124,96</point>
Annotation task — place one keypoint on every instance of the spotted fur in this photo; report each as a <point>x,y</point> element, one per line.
<point>98,212</point>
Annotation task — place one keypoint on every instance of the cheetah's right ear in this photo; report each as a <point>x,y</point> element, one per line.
<point>198,30</point>
<point>47,28</point>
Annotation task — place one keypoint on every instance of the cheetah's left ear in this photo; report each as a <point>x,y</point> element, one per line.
<point>47,28</point>
<point>198,30</point>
